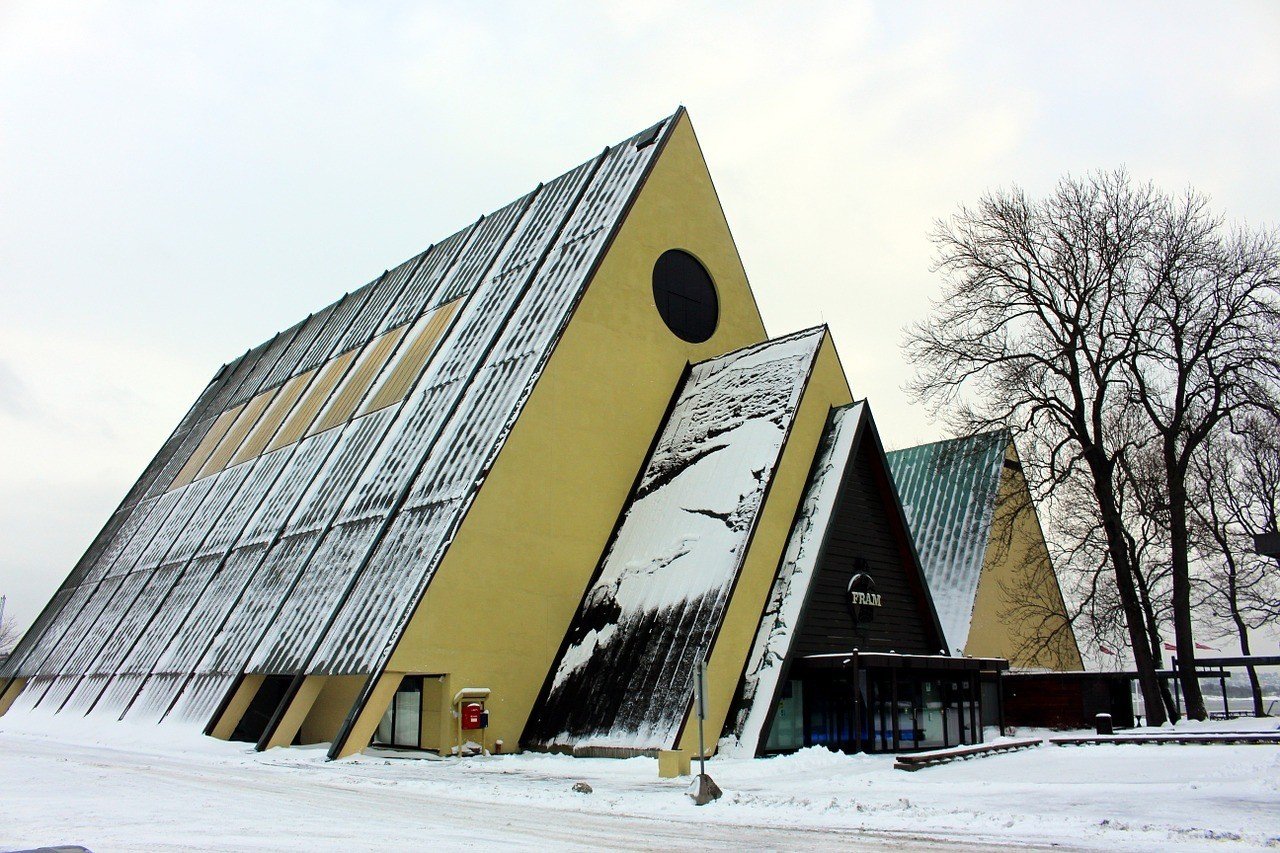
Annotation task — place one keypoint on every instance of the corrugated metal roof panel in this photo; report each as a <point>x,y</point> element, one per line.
<point>328,342</point>
<point>548,283</point>
<point>255,380</point>
<point>410,359</point>
<point>250,412</point>
<point>384,296</point>
<point>287,366</point>
<point>268,424</point>
<point>948,491</point>
<point>212,437</point>
<point>420,288</point>
<point>355,385</point>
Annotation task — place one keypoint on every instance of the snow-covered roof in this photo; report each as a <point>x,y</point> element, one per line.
<point>948,491</point>
<point>625,677</point>
<point>311,555</point>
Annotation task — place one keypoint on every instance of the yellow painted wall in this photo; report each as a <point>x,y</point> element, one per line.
<point>239,703</point>
<point>330,707</point>
<point>827,388</point>
<point>506,591</point>
<point>436,714</point>
<point>1018,612</point>
<point>10,694</point>
<point>295,714</point>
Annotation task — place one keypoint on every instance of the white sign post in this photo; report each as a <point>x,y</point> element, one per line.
<point>704,790</point>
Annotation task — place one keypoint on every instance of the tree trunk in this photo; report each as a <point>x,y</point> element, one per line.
<point>1255,687</point>
<point>1157,645</point>
<point>1180,569</point>
<point>1103,477</point>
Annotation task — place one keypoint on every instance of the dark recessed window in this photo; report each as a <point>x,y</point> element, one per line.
<point>685,296</point>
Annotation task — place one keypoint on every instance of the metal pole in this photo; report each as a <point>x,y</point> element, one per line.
<point>1177,688</point>
<point>893,700</point>
<point>858,706</point>
<point>702,715</point>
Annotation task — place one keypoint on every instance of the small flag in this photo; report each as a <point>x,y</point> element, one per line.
<point>1105,650</point>
<point>1170,647</point>
<point>1206,648</point>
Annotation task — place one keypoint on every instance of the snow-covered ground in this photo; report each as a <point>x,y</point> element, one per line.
<point>155,788</point>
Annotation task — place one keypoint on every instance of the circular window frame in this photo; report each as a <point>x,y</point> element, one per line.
<point>679,277</point>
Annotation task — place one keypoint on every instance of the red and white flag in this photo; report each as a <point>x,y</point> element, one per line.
<point>1206,648</point>
<point>1105,650</point>
<point>1170,647</point>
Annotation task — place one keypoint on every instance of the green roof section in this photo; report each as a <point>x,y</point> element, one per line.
<point>948,491</point>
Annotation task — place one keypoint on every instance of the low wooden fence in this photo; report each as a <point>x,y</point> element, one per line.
<point>917,760</point>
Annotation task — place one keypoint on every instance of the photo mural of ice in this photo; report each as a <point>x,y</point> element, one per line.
<point>625,678</point>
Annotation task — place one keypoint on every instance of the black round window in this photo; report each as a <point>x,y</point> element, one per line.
<point>685,296</point>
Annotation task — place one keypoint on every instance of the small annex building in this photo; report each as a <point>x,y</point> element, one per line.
<point>546,467</point>
<point>975,527</point>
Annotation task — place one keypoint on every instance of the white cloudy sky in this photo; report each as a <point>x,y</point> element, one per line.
<point>180,181</point>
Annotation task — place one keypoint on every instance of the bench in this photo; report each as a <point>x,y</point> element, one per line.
<point>917,760</point>
<point>1221,738</point>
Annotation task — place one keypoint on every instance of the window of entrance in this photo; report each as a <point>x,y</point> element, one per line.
<point>401,725</point>
<point>877,709</point>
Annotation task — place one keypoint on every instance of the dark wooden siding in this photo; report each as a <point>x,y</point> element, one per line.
<point>1066,700</point>
<point>863,529</point>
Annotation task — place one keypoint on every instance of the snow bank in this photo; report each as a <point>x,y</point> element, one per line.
<point>116,790</point>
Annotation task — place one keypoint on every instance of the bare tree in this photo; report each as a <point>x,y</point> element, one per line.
<point>1032,334</point>
<point>8,637</point>
<point>1207,347</point>
<point>1234,497</point>
<point>1084,554</point>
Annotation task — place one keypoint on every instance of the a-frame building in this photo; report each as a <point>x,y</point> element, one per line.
<point>975,526</point>
<point>550,464</point>
<point>849,636</point>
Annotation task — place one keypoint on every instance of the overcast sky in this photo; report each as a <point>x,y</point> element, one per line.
<point>180,181</point>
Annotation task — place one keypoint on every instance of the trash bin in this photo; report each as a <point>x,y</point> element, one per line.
<point>1102,722</point>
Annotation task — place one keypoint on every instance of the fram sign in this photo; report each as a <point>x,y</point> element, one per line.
<point>869,599</point>
<point>862,597</point>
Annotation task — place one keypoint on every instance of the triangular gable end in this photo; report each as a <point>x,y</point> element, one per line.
<point>566,467</point>
<point>1018,608</point>
<point>849,525</point>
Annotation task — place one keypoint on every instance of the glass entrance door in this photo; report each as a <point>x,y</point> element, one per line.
<point>885,709</point>
<point>401,725</point>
